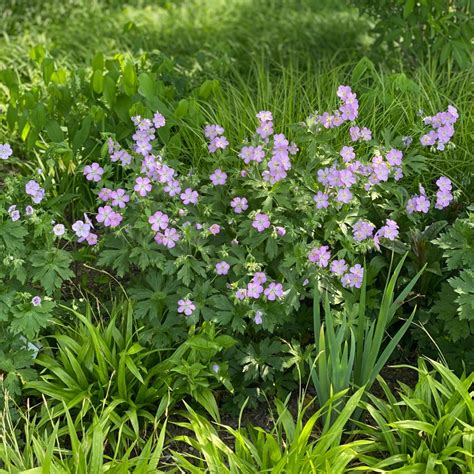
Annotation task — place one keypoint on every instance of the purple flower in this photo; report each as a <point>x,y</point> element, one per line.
<point>213,131</point>
<point>407,141</point>
<point>265,116</point>
<point>258,318</point>
<point>82,229</point>
<point>170,237</point>
<point>347,153</point>
<point>274,291</point>
<point>338,267</point>
<point>259,277</point>
<point>281,231</point>
<point>261,222</point>
<point>36,301</point>
<point>158,221</point>
<point>119,198</point>
<point>173,188</point>
<point>265,129</point>
<point>252,153</point>
<point>218,143</point>
<point>241,294</point>
<point>344,196</point>
<point>443,199</point>
<point>354,278</point>
<point>444,184</point>
<point>362,230</point>
<point>320,256</point>
<point>189,196</point>
<point>15,215</point>
<point>29,210</point>
<point>142,186</point>
<point>422,204</point>
<point>105,194</point>
<point>59,230</point>
<point>321,200</point>
<point>33,189</point>
<point>218,178</point>
<point>254,290</point>
<point>222,268</point>
<point>93,172</point>
<point>158,120</point>
<point>214,229</point>
<point>394,157</point>
<point>91,239</point>
<point>5,151</point>
<point>186,306</point>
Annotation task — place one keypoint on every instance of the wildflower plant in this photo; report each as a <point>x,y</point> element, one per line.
<point>241,239</point>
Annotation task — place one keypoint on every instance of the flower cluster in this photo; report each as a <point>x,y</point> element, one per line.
<point>421,203</point>
<point>217,140</point>
<point>255,289</point>
<point>160,222</point>
<point>348,110</point>
<point>443,195</point>
<point>33,189</point>
<point>442,128</point>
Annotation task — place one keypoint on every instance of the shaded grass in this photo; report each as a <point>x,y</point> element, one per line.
<point>203,36</point>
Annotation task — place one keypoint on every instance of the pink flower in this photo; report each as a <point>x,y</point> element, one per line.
<point>274,291</point>
<point>158,120</point>
<point>320,256</point>
<point>189,196</point>
<point>261,222</point>
<point>239,204</point>
<point>158,221</point>
<point>119,198</point>
<point>259,278</point>
<point>186,306</point>
<point>214,229</point>
<point>218,178</point>
<point>142,186</point>
<point>222,268</point>
<point>93,172</point>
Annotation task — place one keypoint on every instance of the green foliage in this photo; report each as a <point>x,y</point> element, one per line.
<point>35,445</point>
<point>454,307</point>
<point>102,363</point>
<point>429,428</point>
<point>354,352</point>
<point>439,28</point>
<point>288,447</point>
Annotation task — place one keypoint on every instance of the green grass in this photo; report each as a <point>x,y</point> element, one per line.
<point>202,35</point>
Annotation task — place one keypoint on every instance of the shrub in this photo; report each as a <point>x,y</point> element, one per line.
<point>440,28</point>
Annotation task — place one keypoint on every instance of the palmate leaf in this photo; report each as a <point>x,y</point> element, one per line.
<point>51,268</point>
<point>12,235</point>
<point>28,320</point>
<point>463,286</point>
<point>116,255</point>
<point>458,244</point>
<point>152,296</point>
